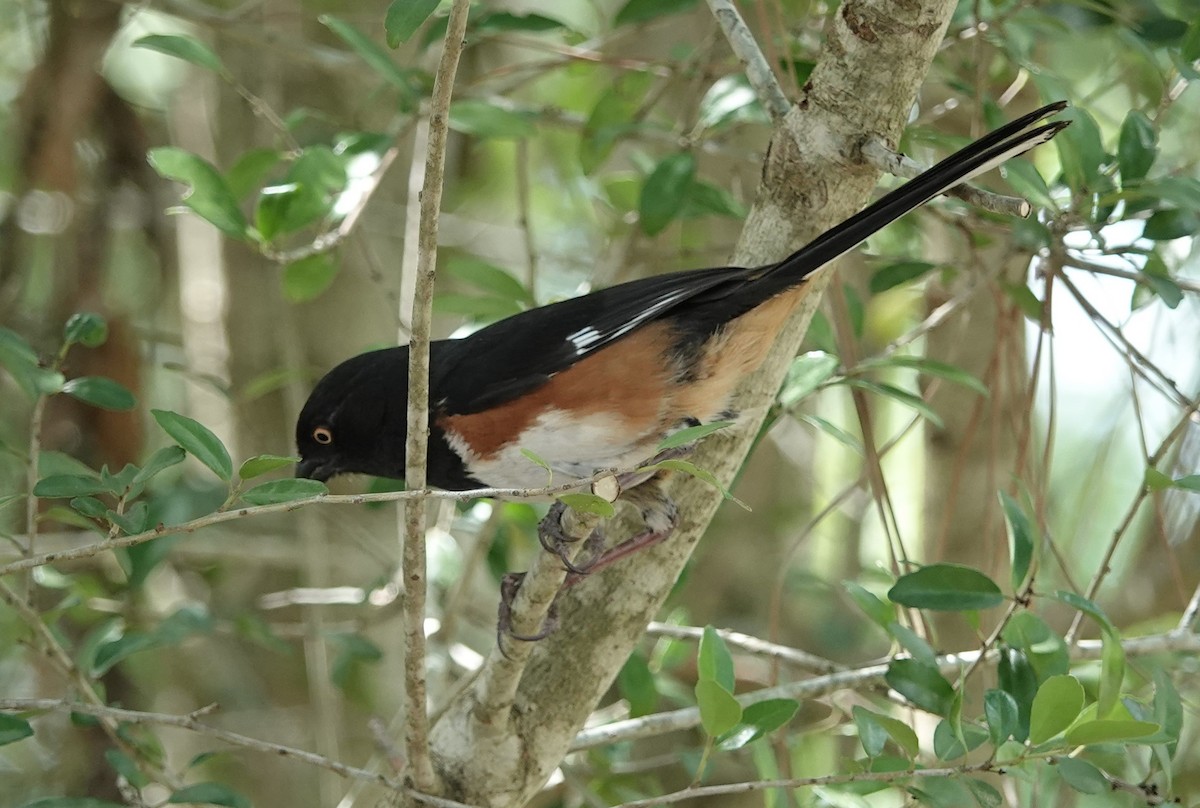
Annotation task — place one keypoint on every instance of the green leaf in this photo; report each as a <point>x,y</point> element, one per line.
<point>636,11</point>
<point>1112,673</point>
<point>1020,539</point>
<point>404,17</point>
<point>1087,607</point>
<point>730,99</point>
<point>198,440</point>
<point>489,277</point>
<point>707,476</point>
<point>921,684</point>
<point>947,745</point>
<point>475,307</point>
<point>1057,704</point>
<point>897,394</point>
<point>1027,181</point>
<point>913,643</point>
<point>705,199</point>
<point>1137,147</point>
<point>68,485</point>
<point>124,766</point>
<point>183,47</point>
<point>1081,151</point>
<point>881,613</point>
<point>87,329</point>
<point>250,170</point>
<point>284,490</point>
<point>984,793</point>
<point>1109,731</point>
<point>636,685</point>
<point>1189,483</point>
<point>109,654</point>
<point>208,195</point>
<point>376,57</point>
<point>164,458</point>
<point>1082,776</point>
<point>759,719</point>
<point>588,503</point>
<point>691,434</point>
<point>719,710</point>
<point>89,506</point>
<point>1165,225</point>
<point>611,118</point>
<point>100,392</point>
<point>354,651</point>
<point>834,431</point>
<point>932,367</point>
<point>1168,709</point>
<point>714,662</point>
<point>893,275</point>
<point>479,118</point>
<point>1189,47</point>
<point>538,460</point>
<point>665,191</point>
<point>209,794</point>
<point>946,587</point>
<point>1000,710</point>
<point>1155,480</point>
<point>900,733</point>
<point>135,520</point>
<point>264,464</point>
<point>307,278</point>
<point>1017,678</point>
<point>21,361</point>
<point>1025,300</point>
<point>807,372</point>
<point>13,729</point>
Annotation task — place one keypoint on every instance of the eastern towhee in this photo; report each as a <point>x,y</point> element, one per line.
<point>597,381</point>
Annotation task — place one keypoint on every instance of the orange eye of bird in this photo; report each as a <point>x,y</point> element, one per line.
<point>323,436</point>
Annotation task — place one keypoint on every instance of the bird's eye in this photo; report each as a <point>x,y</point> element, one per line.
<point>322,435</point>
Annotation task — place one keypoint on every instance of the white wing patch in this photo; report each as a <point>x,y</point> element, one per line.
<point>589,335</point>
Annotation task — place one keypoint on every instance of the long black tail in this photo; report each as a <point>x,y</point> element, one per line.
<point>978,158</point>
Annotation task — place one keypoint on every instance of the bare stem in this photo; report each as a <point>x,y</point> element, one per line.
<point>758,69</point>
<point>417,739</point>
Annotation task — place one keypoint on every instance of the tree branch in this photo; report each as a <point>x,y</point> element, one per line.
<point>758,69</point>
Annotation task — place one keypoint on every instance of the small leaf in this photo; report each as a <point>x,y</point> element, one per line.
<point>264,464</point>
<point>198,440</point>
<point>376,57</point>
<point>183,47</point>
<point>285,490</point>
<point>1166,225</point>
<point>719,710</point>
<point>691,434</point>
<point>1137,146</point>
<point>489,277</point>
<point>538,460</point>
<point>588,503</point>
<point>164,458</point>
<point>874,728</point>
<point>124,766</point>
<point>1189,483</point>
<point>921,684</point>
<point>21,361</point>
<point>897,394</point>
<point>665,191</point>
<point>1002,714</point>
<point>1025,300</point>
<point>404,17</point>
<point>730,99</point>
<point>913,643</point>
<point>251,169</point>
<point>881,613</point>
<point>1109,731</point>
<point>759,719</point>
<point>354,651</point>
<point>13,729</point>
<point>806,374</point>
<point>1020,539</point>
<point>135,520</point>
<point>1027,181</point>
<point>307,278</point>
<point>208,195</point>
<point>1168,708</point>
<point>946,587</point>
<point>1155,480</point>
<point>636,11</point>
<point>68,485</point>
<point>707,476</point>
<point>100,392</point>
<point>714,662</point>
<point>636,685</point>
<point>109,654</point>
<point>832,430</point>
<point>87,329</point>
<point>209,794</point>
<point>1057,704</point>
<point>932,367</point>
<point>611,118</point>
<point>485,120</point>
<point>984,793</point>
<point>1112,673</point>
<point>893,275</point>
<point>1082,776</point>
<point>1017,678</point>
<point>90,506</point>
<point>948,746</point>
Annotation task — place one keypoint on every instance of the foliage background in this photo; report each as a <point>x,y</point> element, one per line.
<point>594,142</point>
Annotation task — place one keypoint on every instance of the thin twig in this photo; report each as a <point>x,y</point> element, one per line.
<point>758,69</point>
<point>881,156</point>
<point>1076,262</point>
<point>417,746</point>
<point>750,644</point>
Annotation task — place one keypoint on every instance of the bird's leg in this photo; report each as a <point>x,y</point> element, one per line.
<point>554,536</point>
<point>509,585</point>
<point>658,512</point>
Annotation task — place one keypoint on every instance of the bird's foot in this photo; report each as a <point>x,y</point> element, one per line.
<point>509,585</point>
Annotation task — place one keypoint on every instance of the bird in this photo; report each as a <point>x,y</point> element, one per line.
<point>598,381</point>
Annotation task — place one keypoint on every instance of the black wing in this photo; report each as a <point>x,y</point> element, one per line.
<point>509,358</point>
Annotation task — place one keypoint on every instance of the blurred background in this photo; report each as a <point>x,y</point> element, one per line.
<point>594,141</point>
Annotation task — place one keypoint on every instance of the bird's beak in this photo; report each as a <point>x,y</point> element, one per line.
<point>312,469</point>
